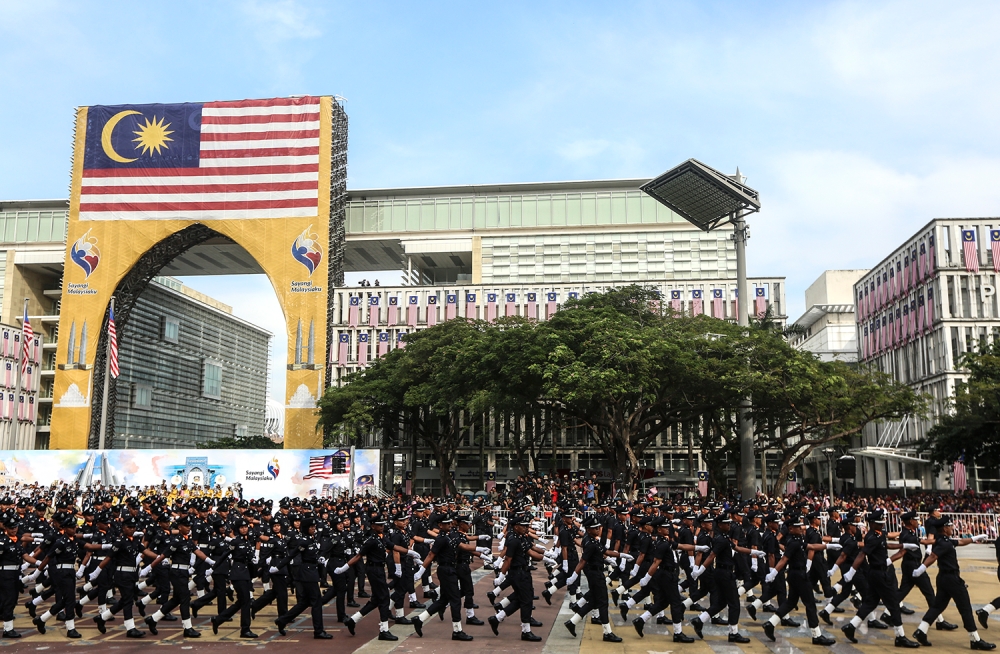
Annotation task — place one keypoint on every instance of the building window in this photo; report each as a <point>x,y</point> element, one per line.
<point>142,396</point>
<point>171,329</point>
<point>241,431</point>
<point>211,385</point>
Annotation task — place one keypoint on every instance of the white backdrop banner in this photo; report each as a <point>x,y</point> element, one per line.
<point>271,474</point>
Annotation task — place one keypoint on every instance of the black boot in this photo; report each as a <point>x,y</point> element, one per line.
<point>73,633</point>
<point>738,638</point>
<point>984,618</point>
<point>825,617</point>
<point>982,644</point>
<point>944,625</point>
<point>769,630</point>
<point>699,626</point>
<point>921,638</point>
<point>460,635</point>
<point>191,633</point>
<point>683,638</point>
<point>612,638</point>
<point>903,641</point>
<point>387,635</point>
<point>849,632</point>
<point>571,627</point>
<point>135,633</point>
<point>474,621</point>
<point>639,625</point>
<point>823,640</point>
<point>246,633</point>
<point>530,637</point>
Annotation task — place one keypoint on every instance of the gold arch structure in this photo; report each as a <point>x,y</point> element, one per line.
<point>119,237</point>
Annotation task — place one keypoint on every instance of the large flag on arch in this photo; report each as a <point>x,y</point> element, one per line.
<point>213,160</point>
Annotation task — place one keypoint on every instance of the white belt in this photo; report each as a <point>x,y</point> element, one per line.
<point>10,567</point>
<point>127,568</point>
<point>180,566</point>
<point>66,566</point>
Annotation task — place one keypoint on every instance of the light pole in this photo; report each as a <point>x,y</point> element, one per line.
<point>830,453</point>
<point>709,199</point>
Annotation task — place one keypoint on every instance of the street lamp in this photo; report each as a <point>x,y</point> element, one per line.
<point>708,200</point>
<point>830,453</point>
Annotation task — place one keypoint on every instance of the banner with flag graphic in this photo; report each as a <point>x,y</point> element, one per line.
<point>550,304</point>
<point>892,282</point>
<point>450,306</point>
<point>792,486</point>
<point>970,250</point>
<point>760,301</point>
<point>383,344</point>
<point>325,467</point>
<point>921,314</point>
<point>412,309</point>
<point>353,309</point>
<point>930,307</point>
<point>531,307</point>
<point>511,304</point>
<point>958,478</point>
<point>913,264</point>
<point>491,307</point>
<point>697,302</point>
<point>675,301</point>
<point>878,291</point>
<point>373,311</point>
<point>344,345</point>
<point>28,339</point>
<point>112,344</point>
<point>432,310</point>
<point>995,248</point>
<point>923,260</point>
<point>363,349</point>
<point>703,483</point>
<point>892,330</point>
<point>392,315</point>
<point>470,307</point>
<point>401,341</point>
<point>718,303</point>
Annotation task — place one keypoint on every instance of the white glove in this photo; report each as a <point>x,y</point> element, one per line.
<point>850,574</point>
<point>645,580</point>
<point>94,575</point>
<point>833,547</point>
<point>341,570</point>
<point>809,565</point>
<point>145,572</point>
<point>399,570</point>
<point>607,544</point>
<point>634,571</point>
<point>483,550</point>
<point>565,566</point>
<point>829,573</point>
<point>835,539</point>
<point>759,554</point>
<point>273,570</point>
<point>978,538</point>
<point>139,534</point>
<point>256,556</point>
<point>502,543</point>
<point>413,554</point>
<point>910,546</point>
<point>79,573</point>
<point>572,578</point>
<point>702,548</point>
<point>626,556</point>
<point>697,572</point>
<point>691,561</point>
<point>25,566</point>
<point>753,564</point>
<point>485,556</point>
<point>502,578</point>
<point>771,576</point>
<point>208,572</point>
<point>210,562</point>
<point>419,573</point>
<point>106,546</point>
<point>622,563</point>
<point>194,559</point>
<point>322,560</point>
<point>543,541</point>
<point>921,569</point>
<point>888,561</point>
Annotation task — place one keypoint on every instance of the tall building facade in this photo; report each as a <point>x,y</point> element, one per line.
<point>828,328</point>
<point>524,249</point>
<point>177,341</point>
<point>920,309</point>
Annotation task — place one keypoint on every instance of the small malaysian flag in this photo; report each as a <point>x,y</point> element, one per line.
<point>958,478</point>
<point>532,306</point>
<point>491,307</point>
<point>970,250</point>
<point>510,308</point>
<point>675,301</point>
<point>995,248</point>
<point>29,338</point>
<point>112,339</point>
<point>383,344</point>
<point>411,311</point>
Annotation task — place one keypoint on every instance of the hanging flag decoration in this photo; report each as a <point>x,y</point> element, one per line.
<point>412,311</point>
<point>675,301</point>
<point>697,303</point>
<point>532,306</point>
<point>995,248</point>
<point>363,349</point>
<point>393,311</point>
<point>470,306</point>
<point>969,250</point>
<point>373,311</point>
<point>432,310</point>
<point>400,341</point>
<point>511,306</point>
<point>450,306</point>
<point>491,307</point>
<point>718,303</point>
<point>958,479</point>
<point>550,304</point>
<point>344,344</point>
<point>930,307</point>
<point>112,343</point>
<point>760,301</point>
<point>383,344</point>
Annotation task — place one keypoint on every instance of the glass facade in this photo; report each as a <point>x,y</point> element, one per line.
<point>28,226</point>
<point>506,211</point>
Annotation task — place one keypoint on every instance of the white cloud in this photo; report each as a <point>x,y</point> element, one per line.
<point>282,20</point>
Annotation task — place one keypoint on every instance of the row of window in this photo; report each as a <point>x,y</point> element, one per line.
<point>211,387</point>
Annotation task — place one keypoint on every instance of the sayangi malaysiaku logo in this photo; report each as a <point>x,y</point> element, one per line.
<point>268,474</point>
<point>85,253</point>
<point>307,251</point>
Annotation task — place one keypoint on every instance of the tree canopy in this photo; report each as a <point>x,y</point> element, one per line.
<point>627,370</point>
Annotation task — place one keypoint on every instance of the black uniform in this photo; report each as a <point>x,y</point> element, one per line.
<point>304,551</point>
<point>799,587</point>
<point>881,580</point>
<point>950,585</point>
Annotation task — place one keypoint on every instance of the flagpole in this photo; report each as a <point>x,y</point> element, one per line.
<point>15,424</point>
<point>107,384</point>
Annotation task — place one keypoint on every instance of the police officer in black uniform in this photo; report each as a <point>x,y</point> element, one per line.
<point>13,559</point>
<point>61,561</point>
<point>374,553</point>
<point>519,554</point>
<point>592,565</point>
<point>304,550</point>
<point>181,552</point>
<point>241,550</point>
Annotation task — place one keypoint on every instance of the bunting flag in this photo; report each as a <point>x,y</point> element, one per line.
<point>930,307</point>
<point>21,409</point>
<point>921,314</point>
<point>344,343</point>
<point>37,348</point>
<point>675,302</point>
<point>718,304</point>
<point>892,331</point>
<point>112,344</point>
<point>400,341</point>
<point>5,344</point>
<point>792,486</point>
<point>931,261</point>
<point>995,248</point>
<point>353,310</point>
<point>470,306</point>
<point>363,349</point>
<point>373,311</point>
<point>859,306</point>
<point>905,336</point>
<point>703,483</point>
<point>491,307</point>
<point>383,345</point>
<point>28,382</point>
<point>864,343</point>
<point>923,261</point>
<point>864,303</point>
<point>899,326</point>
<point>28,339</point>
<point>906,272</point>
<point>885,288</point>
<point>412,310</point>
<point>550,304</point>
<point>510,308</point>
<point>916,270</point>
<point>760,300</point>
<point>654,304</point>
<point>913,318</point>
<point>8,374</point>
<point>450,306</point>
<point>432,310</point>
<point>892,282</point>
<point>532,306</point>
<point>899,278</point>
<point>958,479</point>
<point>9,406</point>
<point>697,302</point>
<point>878,291</point>
<point>392,317</point>
<point>970,251</point>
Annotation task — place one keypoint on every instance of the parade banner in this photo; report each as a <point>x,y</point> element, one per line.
<point>271,474</point>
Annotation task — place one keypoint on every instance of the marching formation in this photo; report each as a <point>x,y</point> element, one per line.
<point>98,556</point>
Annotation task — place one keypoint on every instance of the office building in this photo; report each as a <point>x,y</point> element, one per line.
<point>828,327</point>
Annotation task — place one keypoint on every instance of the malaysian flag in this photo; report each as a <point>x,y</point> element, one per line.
<point>432,310</point>
<point>550,304</point>
<point>532,310</point>
<point>450,306</point>
<point>393,309</point>
<point>491,307</point>
<point>697,303</point>
<point>511,304</point>
<point>930,307</point>
<point>931,262</point>
<point>923,260</point>
<point>213,160</point>
<point>995,248</point>
<point>892,282</point>
<point>353,310</point>
<point>760,301</point>
<point>958,479</point>
<point>718,303</point>
<point>675,301</point>
<point>363,349</point>
<point>470,306</point>
<point>344,341</point>
<point>29,338</point>
<point>411,311</point>
<point>373,311</point>
<point>383,344</point>
<point>970,250</point>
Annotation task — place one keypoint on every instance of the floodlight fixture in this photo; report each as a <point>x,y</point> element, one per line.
<point>702,195</point>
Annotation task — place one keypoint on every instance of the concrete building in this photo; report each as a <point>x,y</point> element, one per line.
<point>32,252</point>
<point>919,310</point>
<point>828,326</point>
<point>523,249</point>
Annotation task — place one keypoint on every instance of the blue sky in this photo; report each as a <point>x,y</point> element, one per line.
<point>856,121</point>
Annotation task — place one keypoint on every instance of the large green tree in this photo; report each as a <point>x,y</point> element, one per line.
<point>972,427</point>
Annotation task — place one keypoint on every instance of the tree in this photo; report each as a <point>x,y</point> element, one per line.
<point>972,428</point>
<point>257,442</point>
<point>801,403</point>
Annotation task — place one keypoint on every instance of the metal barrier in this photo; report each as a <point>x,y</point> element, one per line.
<point>966,524</point>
